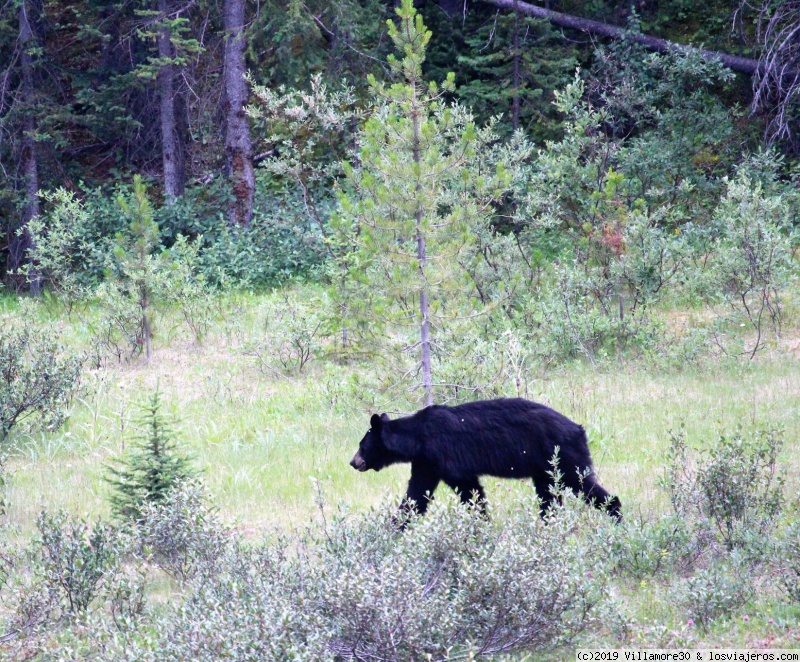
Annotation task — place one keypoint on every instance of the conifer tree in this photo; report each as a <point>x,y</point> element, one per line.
<point>421,183</point>
<point>153,465</point>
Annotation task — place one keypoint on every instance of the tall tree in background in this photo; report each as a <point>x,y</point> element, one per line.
<point>171,148</point>
<point>418,190</point>
<point>28,160</point>
<point>238,142</point>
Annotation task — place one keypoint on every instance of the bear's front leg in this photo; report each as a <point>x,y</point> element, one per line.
<point>423,483</point>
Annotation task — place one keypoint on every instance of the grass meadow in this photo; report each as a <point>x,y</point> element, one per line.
<point>269,445</point>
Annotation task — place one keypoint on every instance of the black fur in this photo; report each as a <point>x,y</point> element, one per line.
<point>509,438</point>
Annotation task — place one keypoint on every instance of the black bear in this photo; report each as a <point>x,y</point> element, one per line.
<point>509,438</point>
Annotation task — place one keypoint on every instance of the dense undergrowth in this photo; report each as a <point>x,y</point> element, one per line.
<point>292,568</point>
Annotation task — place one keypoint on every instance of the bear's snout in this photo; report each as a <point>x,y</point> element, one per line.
<point>358,462</point>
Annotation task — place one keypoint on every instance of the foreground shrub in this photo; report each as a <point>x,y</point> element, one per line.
<point>181,532</point>
<point>453,585</point>
<point>37,381</point>
<point>732,489</point>
<point>650,548</point>
<point>75,559</point>
<point>715,592</point>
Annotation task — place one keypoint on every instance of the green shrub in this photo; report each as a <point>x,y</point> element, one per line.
<point>37,379</point>
<point>752,265</point>
<point>151,468</point>
<point>732,489</point>
<point>715,592</point>
<point>60,253</point>
<point>789,555</point>
<point>181,532</point>
<point>651,548</point>
<point>189,289</point>
<point>289,335</point>
<point>75,559</point>
<point>279,244</point>
<point>452,586</point>
<point>455,584</point>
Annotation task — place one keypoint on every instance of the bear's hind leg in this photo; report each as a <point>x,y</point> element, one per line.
<point>543,487</point>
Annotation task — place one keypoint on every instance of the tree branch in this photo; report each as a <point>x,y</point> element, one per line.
<point>741,64</point>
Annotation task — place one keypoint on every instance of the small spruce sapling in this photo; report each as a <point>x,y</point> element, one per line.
<point>137,275</point>
<point>152,467</point>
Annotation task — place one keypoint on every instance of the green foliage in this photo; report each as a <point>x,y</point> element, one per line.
<point>789,550</point>
<point>453,585</point>
<point>189,289</point>
<point>752,239</point>
<point>646,548</point>
<point>141,275</point>
<point>512,56</point>
<point>290,40</point>
<point>289,335</point>
<point>732,488</point>
<point>3,499</point>
<point>280,244</point>
<point>37,378</point>
<point>179,531</point>
<point>60,250</point>
<point>420,184</point>
<point>136,277</point>
<point>76,559</point>
<point>152,466</point>
<point>715,592</point>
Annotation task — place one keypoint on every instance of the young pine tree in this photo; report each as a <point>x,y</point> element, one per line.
<point>420,187</point>
<point>152,467</point>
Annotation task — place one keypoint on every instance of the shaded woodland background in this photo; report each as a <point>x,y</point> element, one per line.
<point>93,92</point>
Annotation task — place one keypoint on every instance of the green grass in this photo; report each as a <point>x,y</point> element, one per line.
<point>264,444</point>
<point>261,441</point>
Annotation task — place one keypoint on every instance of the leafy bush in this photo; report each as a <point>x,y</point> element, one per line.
<point>289,337</point>
<point>453,583</point>
<point>649,548</point>
<point>279,244</point>
<point>789,553</point>
<point>732,488</point>
<point>75,559</point>
<point>716,591</point>
<point>37,381</point>
<point>753,262</point>
<point>60,252</point>
<point>490,363</point>
<point>152,468</point>
<point>181,533</point>
<point>188,287</point>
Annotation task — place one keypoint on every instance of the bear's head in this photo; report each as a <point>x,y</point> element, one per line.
<point>372,451</point>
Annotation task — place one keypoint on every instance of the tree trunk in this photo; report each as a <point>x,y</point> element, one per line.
<point>170,142</point>
<point>741,64</point>
<point>515,101</point>
<point>238,143</point>
<point>21,244</point>
<point>422,259</point>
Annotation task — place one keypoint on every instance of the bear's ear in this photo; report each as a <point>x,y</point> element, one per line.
<point>385,418</point>
<point>375,422</point>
